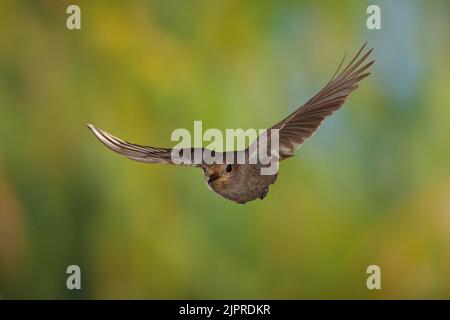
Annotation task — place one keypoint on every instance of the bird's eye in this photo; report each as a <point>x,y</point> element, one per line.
<point>229,168</point>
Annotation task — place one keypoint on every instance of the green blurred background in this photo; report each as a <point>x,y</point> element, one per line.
<point>371,187</point>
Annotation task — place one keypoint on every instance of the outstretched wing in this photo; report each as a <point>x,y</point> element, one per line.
<point>303,122</point>
<point>142,153</point>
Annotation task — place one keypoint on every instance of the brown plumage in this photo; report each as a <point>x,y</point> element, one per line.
<point>243,182</point>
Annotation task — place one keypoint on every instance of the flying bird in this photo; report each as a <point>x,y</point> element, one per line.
<point>244,182</point>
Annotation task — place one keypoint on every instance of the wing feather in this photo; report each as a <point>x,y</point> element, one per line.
<point>303,122</point>
<point>141,153</point>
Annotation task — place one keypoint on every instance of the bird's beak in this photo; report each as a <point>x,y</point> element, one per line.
<point>213,178</point>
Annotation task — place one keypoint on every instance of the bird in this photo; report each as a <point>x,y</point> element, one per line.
<point>243,182</point>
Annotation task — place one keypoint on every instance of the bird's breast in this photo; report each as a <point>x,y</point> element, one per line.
<point>246,185</point>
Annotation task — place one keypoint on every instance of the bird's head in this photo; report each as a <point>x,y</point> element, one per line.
<point>218,173</point>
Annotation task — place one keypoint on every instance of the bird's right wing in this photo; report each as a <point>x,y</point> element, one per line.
<point>143,153</point>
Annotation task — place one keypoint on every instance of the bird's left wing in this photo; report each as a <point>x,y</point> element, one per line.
<point>303,122</point>
<point>143,153</point>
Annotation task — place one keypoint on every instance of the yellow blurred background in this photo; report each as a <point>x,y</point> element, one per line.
<point>371,187</point>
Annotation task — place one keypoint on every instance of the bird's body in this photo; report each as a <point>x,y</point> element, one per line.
<point>244,182</point>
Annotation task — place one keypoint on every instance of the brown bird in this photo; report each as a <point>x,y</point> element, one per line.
<point>244,182</point>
